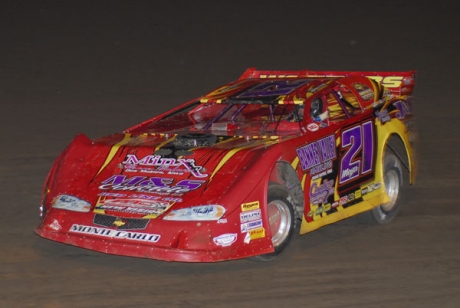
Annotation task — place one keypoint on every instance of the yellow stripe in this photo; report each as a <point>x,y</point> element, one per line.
<point>98,203</point>
<point>303,181</point>
<point>114,150</point>
<point>295,162</point>
<point>165,142</point>
<point>376,90</point>
<point>229,155</point>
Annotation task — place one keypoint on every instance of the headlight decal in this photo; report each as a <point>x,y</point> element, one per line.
<point>197,213</point>
<point>71,203</point>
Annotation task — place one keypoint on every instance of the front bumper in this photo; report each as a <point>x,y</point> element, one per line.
<point>160,240</point>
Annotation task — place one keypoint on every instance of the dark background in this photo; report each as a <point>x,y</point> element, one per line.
<point>99,67</point>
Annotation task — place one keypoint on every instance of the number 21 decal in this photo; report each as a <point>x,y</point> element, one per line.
<point>357,159</point>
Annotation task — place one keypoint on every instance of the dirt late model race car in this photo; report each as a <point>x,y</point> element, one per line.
<point>234,173</point>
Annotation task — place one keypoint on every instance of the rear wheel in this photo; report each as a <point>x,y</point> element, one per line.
<point>393,181</point>
<point>281,220</point>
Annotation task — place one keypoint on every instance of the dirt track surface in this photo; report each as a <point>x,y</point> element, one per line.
<point>97,68</point>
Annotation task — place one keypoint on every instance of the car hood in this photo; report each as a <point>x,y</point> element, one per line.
<point>146,175</point>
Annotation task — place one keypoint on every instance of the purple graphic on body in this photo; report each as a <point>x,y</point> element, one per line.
<point>168,164</point>
<point>358,140</point>
<point>403,109</point>
<point>317,152</point>
<point>149,184</point>
<point>273,88</point>
<point>319,194</point>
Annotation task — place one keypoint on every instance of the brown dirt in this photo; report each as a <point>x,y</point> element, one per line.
<point>100,67</point>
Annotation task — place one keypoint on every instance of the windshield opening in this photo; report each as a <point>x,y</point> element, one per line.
<point>232,118</point>
<point>268,117</point>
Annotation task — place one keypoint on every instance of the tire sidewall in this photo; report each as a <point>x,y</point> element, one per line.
<point>390,163</point>
<point>279,193</point>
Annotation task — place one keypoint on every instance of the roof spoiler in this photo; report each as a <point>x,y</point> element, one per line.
<point>400,83</point>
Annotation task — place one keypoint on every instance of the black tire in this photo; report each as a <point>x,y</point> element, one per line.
<point>393,179</point>
<point>281,219</point>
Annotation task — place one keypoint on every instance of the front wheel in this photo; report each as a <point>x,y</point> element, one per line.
<point>393,181</point>
<point>281,221</point>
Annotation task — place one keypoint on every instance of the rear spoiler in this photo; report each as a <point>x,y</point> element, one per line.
<point>399,83</point>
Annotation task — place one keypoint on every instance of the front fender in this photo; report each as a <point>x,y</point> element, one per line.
<point>246,192</point>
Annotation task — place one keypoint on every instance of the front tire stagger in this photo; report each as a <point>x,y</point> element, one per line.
<point>281,221</point>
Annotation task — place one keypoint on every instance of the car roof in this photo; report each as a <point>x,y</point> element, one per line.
<point>266,91</point>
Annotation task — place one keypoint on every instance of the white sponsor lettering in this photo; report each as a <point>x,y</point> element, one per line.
<point>136,236</point>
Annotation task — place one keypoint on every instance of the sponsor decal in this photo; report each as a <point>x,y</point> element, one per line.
<point>55,225</point>
<point>134,206</point>
<point>319,210</point>
<point>160,165</point>
<point>403,109</point>
<point>367,94</point>
<point>358,194</point>
<point>250,206</point>
<point>320,193</point>
<point>225,239</point>
<point>250,216</point>
<point>145,184</point>
<point>257,233</point>
<point>141,196</point>
<point>351,196</point>
<point>343,200</point>
<point>313,127</point>
<point>383,115</point>
<point>245,227</point>
<point>389,81</point>
<point>116,234</point>
<point>370,188</point>
<point>350,172</point>
<point>363,91</point>
<point>317,156</point>
<point>115,195</point>
<point>321,170</point>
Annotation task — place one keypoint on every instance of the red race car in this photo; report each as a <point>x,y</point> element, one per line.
<point>236,172</point>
